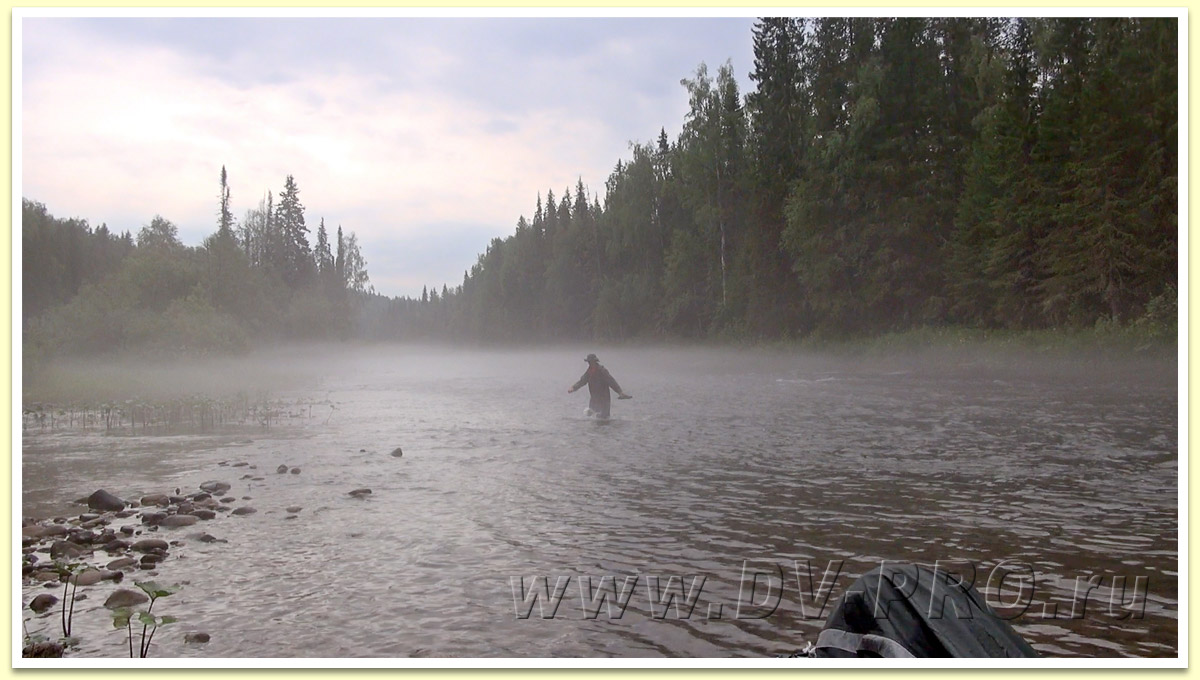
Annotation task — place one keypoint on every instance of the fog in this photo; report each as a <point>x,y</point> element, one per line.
<point>483,469</point>
<point>296,366</point>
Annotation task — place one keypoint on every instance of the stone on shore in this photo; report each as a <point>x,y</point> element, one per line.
<point>244,510</point>
<point>397,452</point>
<point>103,500</point>
<point>282,469</point>
<point>196,637</point>
<point>360,493</point>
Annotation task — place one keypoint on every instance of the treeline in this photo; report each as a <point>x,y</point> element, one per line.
<point>89,291</point>
<point>885,174</point>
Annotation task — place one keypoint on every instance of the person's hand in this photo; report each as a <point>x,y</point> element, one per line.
<point>625,396</point>
<point>570,390</point>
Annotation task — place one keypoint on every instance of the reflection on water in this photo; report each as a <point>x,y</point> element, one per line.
<point>721,458</point>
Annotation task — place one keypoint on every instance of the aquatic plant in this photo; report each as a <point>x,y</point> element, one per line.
<point>123,617</point>
<point>67,571</point>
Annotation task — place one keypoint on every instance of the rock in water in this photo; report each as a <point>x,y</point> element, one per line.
<point>179,521</point>
<point>148,544</point>
<point>244,510</point>
<point>156,499</point>
<point>121,563</point>
<point>196,637</point>
<point>293,508</point>
<point>124,597</point>
<point>397,452</point>
<point>67,549</point>
<point>43,602</point>
<point>282,469</point>
<point>90,577</point>
<point>360,493</point>
<point>103,500</point>
<point>43,650</point>
<point>214,487</point>
<point>295,471</point>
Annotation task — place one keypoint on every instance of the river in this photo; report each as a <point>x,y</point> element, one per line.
<point>727,463</point>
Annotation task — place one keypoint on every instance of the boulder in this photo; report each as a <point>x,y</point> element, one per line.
<point>124,597</point>
<point>43,602</point>
<point>214,487</point>
<point>179,521</point>
<point>153,517</point>
<point>115,545</point>
<point>90,577</point>
<point>44,531</point>
<point>67,550</point>
<point>121,563</point>
<point>105,501</point>
<point>148,544</point>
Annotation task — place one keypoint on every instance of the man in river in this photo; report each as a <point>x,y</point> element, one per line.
<point>598,380</point>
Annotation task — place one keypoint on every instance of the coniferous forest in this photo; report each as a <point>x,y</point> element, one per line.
<point>884,174</point>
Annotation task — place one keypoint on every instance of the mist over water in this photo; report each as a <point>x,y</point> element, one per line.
<point>723,456</point>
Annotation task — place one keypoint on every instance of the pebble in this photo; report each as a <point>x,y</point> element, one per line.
<point>295,471</point>
<point>196,637</point>
<point>281,469</point>
<point>360,493</point>
<point>294,508</point>
<point>397,452</point>
<point>245,510</point>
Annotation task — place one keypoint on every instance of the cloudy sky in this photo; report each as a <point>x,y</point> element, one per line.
<point>427,137</point>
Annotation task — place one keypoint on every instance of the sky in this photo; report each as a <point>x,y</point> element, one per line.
<point>426,137</point>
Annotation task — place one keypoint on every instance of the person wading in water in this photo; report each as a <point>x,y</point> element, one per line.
<point>598,380</point>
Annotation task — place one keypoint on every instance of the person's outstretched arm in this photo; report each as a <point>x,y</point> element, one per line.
<point>612,382</point>
<point>581,383</point>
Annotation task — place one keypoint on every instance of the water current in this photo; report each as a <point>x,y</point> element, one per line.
<point>511,511</point>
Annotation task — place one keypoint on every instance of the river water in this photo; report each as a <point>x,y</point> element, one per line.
<point>726,464</point>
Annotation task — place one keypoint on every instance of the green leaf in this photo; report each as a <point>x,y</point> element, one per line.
<point>121,617</point>
<point>167,619</point>
<point>147,619</point>
<point>147,586</point>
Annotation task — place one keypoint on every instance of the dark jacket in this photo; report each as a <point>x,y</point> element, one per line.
<point>598,380</point>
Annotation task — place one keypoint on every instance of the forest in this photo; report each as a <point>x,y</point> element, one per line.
<point>884,175</point>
